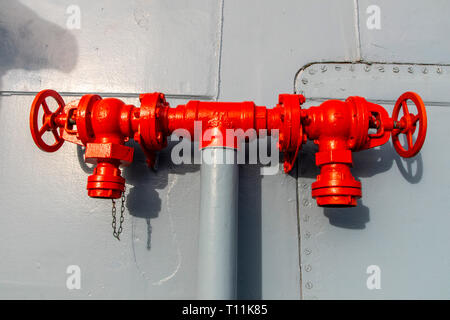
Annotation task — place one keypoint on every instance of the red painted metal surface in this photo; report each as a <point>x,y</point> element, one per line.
<point>337,127</point>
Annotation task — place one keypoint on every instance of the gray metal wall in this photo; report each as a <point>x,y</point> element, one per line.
<point>230,50</point>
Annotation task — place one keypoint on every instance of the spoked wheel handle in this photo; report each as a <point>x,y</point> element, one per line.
<point>47,121</point>
<point>408,123</point>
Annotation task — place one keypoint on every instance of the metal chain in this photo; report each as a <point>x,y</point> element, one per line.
<point>117,232</point>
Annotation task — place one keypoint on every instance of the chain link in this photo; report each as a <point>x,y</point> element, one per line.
<point>117,232</point>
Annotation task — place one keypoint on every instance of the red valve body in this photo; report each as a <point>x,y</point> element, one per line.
<point>337,127</point>
<point>103,126</point>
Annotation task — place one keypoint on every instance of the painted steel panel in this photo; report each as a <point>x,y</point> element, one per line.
<point>120,46</point>
<point>178,47</point>
<point>400,223</point>
<point>265,43</point>
<point>409,31</point>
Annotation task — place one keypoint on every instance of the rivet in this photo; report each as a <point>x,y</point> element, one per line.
<point>410,70</point>
<point>395,69</point>
<point>352,67</point>
<point>305,186</point>
<point>323,68</point>
<point>307,235</point>
<point>338,68</point>
<point>312,71</point>
<point>367,68</point>
<point>304,81</point>
<point>381,68</point>
<point>439,70</point>
<point>308,268</point>
<point>425,70</point>
<point>309,285</point>
<point>308,252</point>
<point>306,218</point>
<point>305,202</point>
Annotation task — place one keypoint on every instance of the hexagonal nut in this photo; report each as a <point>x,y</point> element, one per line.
<point>113,151</point>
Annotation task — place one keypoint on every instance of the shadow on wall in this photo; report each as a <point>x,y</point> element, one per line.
<point>249,262</point>
<point>143,201</point>
<point>29,42</point>
<point>366,163</point>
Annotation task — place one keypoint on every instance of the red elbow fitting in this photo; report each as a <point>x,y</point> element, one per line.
<point>105,124</point>
<point>338,128</point>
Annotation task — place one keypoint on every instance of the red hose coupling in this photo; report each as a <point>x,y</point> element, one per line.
<point>106,181</point>
<point>339,128</point>
<point>335,185</point>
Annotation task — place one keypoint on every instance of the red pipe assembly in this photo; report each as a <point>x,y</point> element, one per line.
<point>103,126</point>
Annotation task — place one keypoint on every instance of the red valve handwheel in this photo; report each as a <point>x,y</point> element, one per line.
<point>408,124</point>
<point>48,119</point>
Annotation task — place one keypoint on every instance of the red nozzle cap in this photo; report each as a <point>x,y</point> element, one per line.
<point>106,181</point>
<point>336,187</point>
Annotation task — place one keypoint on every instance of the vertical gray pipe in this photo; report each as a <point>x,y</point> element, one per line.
<point>218,224</point>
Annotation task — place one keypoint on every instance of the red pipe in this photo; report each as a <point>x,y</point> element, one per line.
<point>337,127</point>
